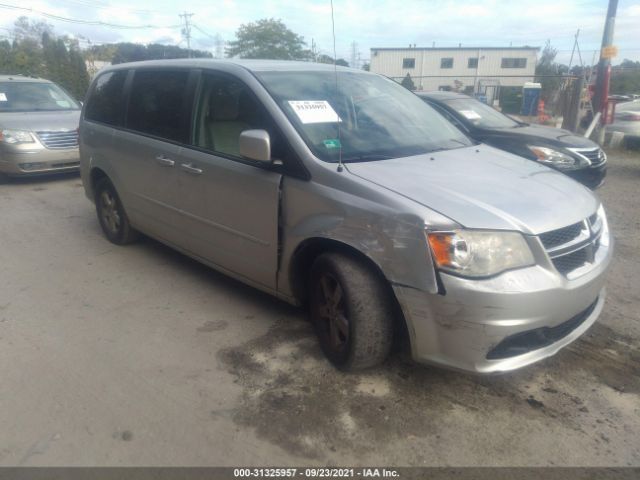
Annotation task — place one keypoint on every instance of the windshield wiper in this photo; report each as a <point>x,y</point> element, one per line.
<point>368,158</point>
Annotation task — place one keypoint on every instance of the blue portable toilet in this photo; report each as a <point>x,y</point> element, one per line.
<point>530,97</point>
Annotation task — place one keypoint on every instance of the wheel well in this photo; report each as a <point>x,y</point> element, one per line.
<point>96,175</point>
<point>300,270</point>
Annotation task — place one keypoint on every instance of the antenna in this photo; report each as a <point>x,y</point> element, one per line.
<point>335,72</point>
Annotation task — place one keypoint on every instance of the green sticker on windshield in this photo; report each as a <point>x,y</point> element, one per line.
<point>332,143</point>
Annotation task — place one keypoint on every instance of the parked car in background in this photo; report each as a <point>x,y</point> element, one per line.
<point>38,127</point>
<point>341,190</point>
<point>627,120</point>
<point>576,156</point>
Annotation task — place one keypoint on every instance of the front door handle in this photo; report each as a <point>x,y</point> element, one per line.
<point>165,161</point>
<point>189,168</point>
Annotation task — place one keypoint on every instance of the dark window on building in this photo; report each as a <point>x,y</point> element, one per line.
<point>446,62</point>
<point>158,104</point>
<point>408,63</point>
<point>105,102</point>
<point>472,63</point>
<point>514,63</point>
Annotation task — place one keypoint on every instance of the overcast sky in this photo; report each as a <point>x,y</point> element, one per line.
<point>383,23</point>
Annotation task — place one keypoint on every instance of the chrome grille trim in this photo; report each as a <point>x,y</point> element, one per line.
<point>595,156</point>
<point>58,140</point>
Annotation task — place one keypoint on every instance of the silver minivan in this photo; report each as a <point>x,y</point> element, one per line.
<point>38,127</point>
<point>342,191</point>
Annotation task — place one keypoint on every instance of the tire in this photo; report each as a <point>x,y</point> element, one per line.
<point>111,215</point>
<point>351,310</point>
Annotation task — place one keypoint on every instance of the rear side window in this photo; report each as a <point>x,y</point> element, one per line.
<point>106,100</point>
<point>159,104</point>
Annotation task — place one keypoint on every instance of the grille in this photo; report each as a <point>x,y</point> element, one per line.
<point>524,342</point>
<point>561,236</point>
<point>571,261</point>
<point>572,247</point>
<point>59,140</point>
<point>596,156</point>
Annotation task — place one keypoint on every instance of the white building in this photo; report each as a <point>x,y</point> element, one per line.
<point>465,69</point>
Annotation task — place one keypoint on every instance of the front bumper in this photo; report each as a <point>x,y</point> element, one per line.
<point>38,161</point>
<point>591,177</point>
<point>462,328</point>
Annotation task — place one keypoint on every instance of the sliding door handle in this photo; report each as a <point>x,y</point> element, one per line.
<point>165,161</point>
<point>189,168</point>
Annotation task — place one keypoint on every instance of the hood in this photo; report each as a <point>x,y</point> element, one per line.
<point>40,121</point>
<point>545,136</point>
<point>483,187</point>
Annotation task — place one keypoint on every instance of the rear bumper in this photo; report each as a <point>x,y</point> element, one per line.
<point>40,161</point>
<point>502,323</point>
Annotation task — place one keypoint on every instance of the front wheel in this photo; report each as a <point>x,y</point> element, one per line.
<point>351,311</point>
<point>113,219</point>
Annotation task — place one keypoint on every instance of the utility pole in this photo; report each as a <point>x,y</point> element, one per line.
<point>575,42</point>
<point>604,66</point>
<point>186,30</point>
<point>219,46</point>
<point>354,55</point>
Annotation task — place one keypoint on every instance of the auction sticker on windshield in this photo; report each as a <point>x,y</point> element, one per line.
<point>470,114</point>
<point>314,111</point>
<point>3,97</point>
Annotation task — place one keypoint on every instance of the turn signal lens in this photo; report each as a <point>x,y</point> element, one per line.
<point>440,246</point>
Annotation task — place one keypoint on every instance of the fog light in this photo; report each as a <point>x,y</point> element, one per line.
<point>31,166</point>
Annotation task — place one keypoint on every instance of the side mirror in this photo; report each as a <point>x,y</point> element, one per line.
<point>256,145</point>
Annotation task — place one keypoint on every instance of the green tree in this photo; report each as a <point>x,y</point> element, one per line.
<point>129,52</point>
<point>37,51</point>
<point>625,78</point>
<point>548,72</point>
<point>79,77</point>
<point>327,59</point>
<point>407,82</point>
<point>135,52</point>
<point>268,39</point>
<point>6,57</point>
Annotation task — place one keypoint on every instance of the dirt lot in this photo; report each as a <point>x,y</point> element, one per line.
<point>140,356</point>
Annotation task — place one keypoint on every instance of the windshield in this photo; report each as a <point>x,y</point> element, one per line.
<point>34,97</point>
<point>378,118</point>
<point>480,114</point>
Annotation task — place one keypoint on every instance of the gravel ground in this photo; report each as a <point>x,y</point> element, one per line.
<point>140,356</point>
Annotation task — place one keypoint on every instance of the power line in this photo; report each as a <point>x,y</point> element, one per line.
<point>107,6</point>
<point>83,22</point>
<point>202,31</point>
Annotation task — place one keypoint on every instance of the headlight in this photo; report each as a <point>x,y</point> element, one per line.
<point>604,227</point>
<point>479,253</point>
<point>558,159</point>
<point>15,136</point>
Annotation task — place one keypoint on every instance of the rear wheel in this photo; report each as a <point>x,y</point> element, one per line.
<point>111,215</point>
<point>351,310</point>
